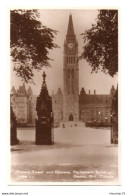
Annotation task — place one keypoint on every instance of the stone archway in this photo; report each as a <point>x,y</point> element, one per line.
<point>71,117</point>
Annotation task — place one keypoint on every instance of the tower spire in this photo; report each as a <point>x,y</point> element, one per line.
<point>44,89</point>
<point>44,76</point>
<point>70,30</point>
<point>71,75</point>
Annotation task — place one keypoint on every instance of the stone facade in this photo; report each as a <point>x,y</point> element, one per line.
<point>71,76</point>
<point>57,106</point>
<point>92,107</point>
<point>23,104</point>
<point>74,107</point>
<point>95,107</point>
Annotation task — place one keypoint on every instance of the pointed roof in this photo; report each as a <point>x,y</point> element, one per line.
<point>29,91</point>
<point>22,90</point>
<point>44,100</point>
<point>112,90</point>
<point>82,92</point>
<point>59,92</point>
<point>44,90</point>
<point>13,91</point>
<point>70,30</point>
<point>113,87</point>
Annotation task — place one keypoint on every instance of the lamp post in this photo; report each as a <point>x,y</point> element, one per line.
<point>106,121</point>
<point>99,117</point>
<point>111,129</point>
<point>13,126</point>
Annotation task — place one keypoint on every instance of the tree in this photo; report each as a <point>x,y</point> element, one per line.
<point>101,43</point>
<point>114,112</point>
<point>30,43</point>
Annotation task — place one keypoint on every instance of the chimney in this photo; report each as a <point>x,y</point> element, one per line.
<point>94,92</point>
<point>89,91</point>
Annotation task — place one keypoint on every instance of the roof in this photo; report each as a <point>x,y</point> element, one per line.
<point>29,91</point>
<point>13,90</point>
<point>21,90</point>
<point>70,30</point>
<point>95,99</point>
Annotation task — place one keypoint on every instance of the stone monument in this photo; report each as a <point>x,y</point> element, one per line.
<point>44,116</point>
<point>13,130</point>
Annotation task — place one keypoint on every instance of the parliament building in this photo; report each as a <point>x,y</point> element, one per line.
<point>69,105</point>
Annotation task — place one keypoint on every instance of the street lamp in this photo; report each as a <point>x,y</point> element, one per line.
<point>99,115</point>
<point>106,121</point>
<point>111,129</point>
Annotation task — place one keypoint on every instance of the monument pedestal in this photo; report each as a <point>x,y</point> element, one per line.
<point>13,130</point>
<point>43,133</point>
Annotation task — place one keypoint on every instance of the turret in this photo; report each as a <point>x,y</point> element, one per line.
<point>82,92</point>
<point>112,91</point>
<point>13,91</point>
<point>59,92</point>
<point>29,91</point>
<point>22,90</point>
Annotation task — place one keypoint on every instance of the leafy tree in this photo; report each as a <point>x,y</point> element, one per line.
<point>101,43</point>
<point>30,42</point>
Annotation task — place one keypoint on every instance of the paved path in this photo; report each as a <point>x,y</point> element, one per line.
<point>78,155</point>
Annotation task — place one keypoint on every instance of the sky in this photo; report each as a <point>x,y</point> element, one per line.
<point>57,19</point>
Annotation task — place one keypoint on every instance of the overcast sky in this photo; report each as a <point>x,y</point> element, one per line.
<point>58,20</point>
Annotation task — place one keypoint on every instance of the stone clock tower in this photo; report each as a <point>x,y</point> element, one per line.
<point>71,76</point>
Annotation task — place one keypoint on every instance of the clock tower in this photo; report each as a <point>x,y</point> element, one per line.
<point>71,76</point>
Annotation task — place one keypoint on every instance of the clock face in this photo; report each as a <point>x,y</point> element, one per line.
<point>70,45</point>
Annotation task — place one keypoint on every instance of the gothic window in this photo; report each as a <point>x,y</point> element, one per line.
<point>68,81</point>
<point>72,80</point>
<point>74,60</point>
